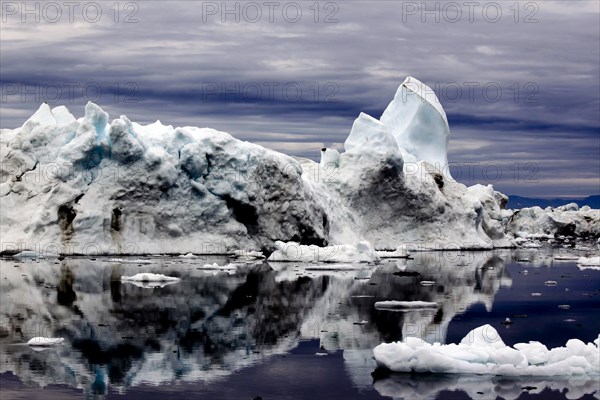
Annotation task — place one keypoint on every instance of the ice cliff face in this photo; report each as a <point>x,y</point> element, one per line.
<point>90,185</point>
<point>119,187</point>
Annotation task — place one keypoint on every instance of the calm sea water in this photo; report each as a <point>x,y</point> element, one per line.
<point>281,330</point>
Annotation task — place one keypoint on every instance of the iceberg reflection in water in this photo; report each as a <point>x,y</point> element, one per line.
<point>214,327</point>
<point>480,387</point>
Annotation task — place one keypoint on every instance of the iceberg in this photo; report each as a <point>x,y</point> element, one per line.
<point>559,222</point>
<point>96,186</point>
<point>483,352</point>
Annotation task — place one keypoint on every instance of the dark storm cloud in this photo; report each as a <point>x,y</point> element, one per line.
<point>522,88</point>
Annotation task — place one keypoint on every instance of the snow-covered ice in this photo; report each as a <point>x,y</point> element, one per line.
<point>482,351</point>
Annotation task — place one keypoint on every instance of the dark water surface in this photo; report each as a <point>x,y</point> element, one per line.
<point>280,330</point>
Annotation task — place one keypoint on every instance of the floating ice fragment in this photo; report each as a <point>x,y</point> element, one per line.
<point>393,305</point>
<point>566,257</point>
<point>130,261</point>
<point>149,277</point>
<point>27,254</point>
<point>398,253</point>
<point>482,351</point>
<point>589,261</point>
<point>44,341</point>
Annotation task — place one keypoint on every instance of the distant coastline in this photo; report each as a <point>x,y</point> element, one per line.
<point>515,202</point>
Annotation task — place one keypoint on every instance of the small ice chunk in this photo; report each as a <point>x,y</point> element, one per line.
<point>566,257</point>
<point>292,251</point>
<point>398,253</point>
<point>149,277</point>
<point>589,261</point>
<point>44,341</point>
<point>130,261</point>
<point>27,254</point>
<point>248,254</point>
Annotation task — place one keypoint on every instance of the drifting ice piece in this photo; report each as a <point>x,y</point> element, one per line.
<point>589,261</point>
<point>44,341</point>
<point>418,122</point>
<point>149,277</point>
<point>482,351</point>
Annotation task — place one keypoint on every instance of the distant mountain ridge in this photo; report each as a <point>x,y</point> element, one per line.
<point>523,202</point>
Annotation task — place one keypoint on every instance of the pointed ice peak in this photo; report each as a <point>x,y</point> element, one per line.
<point>43,116</point>
<point>96,116</point>
<point>418,122</point>
<point>369,134</point>
<point>62,115</point>
<point>426,93</point>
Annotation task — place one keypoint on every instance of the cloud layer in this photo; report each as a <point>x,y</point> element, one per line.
<point>520,84</point>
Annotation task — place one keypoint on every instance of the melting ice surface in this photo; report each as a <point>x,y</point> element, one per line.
<point>247,331</point>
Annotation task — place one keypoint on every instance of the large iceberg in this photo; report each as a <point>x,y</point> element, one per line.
<point>95,186</point>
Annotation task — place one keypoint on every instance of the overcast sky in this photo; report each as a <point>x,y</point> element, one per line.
<point>520,81</point>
